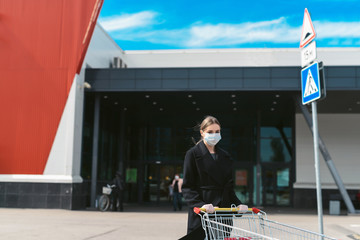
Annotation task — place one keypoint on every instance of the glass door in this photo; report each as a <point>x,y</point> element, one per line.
<point>275,183</point>
<point>276,163</point>
<point>158,178</point>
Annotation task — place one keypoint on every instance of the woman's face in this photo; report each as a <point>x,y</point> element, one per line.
<point>213,128</point>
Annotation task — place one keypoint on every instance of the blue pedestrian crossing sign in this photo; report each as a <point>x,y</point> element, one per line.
<point>310,83</point>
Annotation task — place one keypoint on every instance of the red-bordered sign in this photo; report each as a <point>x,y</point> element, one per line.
<point>308,31</point>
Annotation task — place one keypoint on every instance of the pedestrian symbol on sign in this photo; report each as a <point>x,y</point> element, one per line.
<point>310,83</point>
<point>310,87</point>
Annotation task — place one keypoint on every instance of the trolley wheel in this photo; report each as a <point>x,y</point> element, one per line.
<point>104,203</point>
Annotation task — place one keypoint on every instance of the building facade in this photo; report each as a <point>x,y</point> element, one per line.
<point>150,116</point>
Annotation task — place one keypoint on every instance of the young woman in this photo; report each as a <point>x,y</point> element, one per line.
<point>207,177</point>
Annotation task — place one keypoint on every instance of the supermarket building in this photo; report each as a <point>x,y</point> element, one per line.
<point>70,127</point>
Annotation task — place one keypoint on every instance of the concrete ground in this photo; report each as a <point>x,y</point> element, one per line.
<point>148,223</point>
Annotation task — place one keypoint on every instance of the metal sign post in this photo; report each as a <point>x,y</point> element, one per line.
<point>317,166</point>
<point>311,91</point>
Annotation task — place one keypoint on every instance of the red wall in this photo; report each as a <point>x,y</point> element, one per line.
<point>42,45</point>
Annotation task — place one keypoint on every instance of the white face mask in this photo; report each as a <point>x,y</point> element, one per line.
<point>176,177</point>
<point>212,138</point>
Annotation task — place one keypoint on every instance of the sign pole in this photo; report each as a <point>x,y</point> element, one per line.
<point>311,91</point>
<point>317,166</point>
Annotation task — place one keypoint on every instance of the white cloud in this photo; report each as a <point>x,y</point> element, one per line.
<point>334,42</point>
<point>337,29</point>
<point>274,31</point>
<point>277,31</point>
<point>174,37</point>
<point>222,34</point>
<point>127,21</point>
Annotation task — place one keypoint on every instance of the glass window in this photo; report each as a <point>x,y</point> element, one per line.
<point>283,188</point>
<point>160,144</point>
<point>184,141</point>
<point>283,177</point>
<point>274,147</point>
<point>271,132</point>
<point>239,142</point>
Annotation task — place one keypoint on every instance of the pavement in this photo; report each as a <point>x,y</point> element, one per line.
<point>149,222</point>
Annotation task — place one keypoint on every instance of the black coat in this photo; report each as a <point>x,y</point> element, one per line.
<point>119,183</point>
<point>207,180</point>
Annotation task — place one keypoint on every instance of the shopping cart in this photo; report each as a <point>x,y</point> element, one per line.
<point>228,224</point>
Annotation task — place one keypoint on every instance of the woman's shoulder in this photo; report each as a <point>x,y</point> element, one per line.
<point>196,150</point>
<point>192,151</point>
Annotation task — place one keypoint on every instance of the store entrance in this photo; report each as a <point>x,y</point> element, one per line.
<point>276,185</point>
<point>157,180</point>
<point>146,135</point>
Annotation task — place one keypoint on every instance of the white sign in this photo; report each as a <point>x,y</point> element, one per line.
<point>308,31</point>
<point>308,54</point>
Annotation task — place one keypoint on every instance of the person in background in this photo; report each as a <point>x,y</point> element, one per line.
<point>176,186</point>
<point>171,193</point>
<point>208,178</point>
<point>118,192</point>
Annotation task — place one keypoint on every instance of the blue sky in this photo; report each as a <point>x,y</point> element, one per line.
<point>185,24</point>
